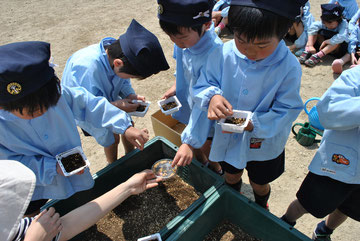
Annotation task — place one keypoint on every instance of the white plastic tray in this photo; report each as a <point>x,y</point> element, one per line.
<point>170,99</point>
<point>77,149</point>
<point>155,236</point>
<point>142,113</point>
<point>233,127</point>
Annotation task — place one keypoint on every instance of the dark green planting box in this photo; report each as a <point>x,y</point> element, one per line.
<point>201,178</point>
<point>226,204</point>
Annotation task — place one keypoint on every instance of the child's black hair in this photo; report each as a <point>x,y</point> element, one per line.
<point>331,18</point>
<point>173,29</point>
<point>256,23</point>
<point>42,99</point>
<point>114,51</point>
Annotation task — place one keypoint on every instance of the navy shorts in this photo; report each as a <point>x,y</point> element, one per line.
<point>35,206</point>
<point>321,195</point>
<point>260,172</point>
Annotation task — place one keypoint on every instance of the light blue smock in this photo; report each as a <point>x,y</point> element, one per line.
<point>350,6</point>
<point>90,68</point>
<point>269,88</point>
<point>339,113</point>
<point>189,62</point>
<point>307,19</point>
<point>353,20</point>
<point>36,142</point>
<point>341,30</point>
<point>354,40</point>
<point>225,11</point>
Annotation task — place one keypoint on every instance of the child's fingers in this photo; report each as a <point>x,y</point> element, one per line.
<point>229,109</point>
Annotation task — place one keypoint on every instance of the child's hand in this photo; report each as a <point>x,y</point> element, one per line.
<point>170,92</point>
<point>183,156</point>
<point>137,137</point>
<point>142,181</point>
<point>310,49</point>
<point>219,108</point>
<point>126,105</point>
<point>59,170</point>
<point>353,59</point>
<point>249,127</point>
<point>44,227</point>
<point>136,97</point>
<point>324,44</point>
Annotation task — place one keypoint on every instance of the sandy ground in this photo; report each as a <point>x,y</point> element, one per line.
<point>71,25</point>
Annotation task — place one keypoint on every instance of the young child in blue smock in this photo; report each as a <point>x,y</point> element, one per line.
<point>298,33</point>
<point>105,69</point>
<point>332,186</point>
<point>328,36</point>
<point>187,22</point>
<point>254,72</point>
<point>37,120</point>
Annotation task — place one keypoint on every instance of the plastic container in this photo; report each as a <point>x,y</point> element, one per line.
<point>140,113</point>
<point>196,175</point>
<point>75,150</point>
<point>233,127</point>
<point>226,204</point>
<point>168,100</point>
<point>155,236</point>
<point>162,168</point>
<point>313,114</point>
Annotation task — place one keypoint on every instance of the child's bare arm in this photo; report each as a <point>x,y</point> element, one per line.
<point>170,92</point>
<point>219,108</point>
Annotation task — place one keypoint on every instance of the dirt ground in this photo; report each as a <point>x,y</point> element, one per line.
<point>71,25</point>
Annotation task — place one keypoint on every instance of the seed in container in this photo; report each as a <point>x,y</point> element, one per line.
<point>141,108</point>
<point>72,162</point>
<point>169,106</point>
<point>163,168</point>
<point>236,121</point>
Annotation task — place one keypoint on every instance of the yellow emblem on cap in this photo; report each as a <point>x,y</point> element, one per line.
<point>160,9</point>
<point>14,88</point>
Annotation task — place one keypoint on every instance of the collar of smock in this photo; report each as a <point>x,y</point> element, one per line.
<point>204,43</point>
<point>279,53</point>
<point>104,57</point>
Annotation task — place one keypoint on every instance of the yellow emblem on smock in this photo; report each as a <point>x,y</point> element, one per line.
<point>14,88</point>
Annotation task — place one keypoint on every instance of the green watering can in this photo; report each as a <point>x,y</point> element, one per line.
<point>306,135</point>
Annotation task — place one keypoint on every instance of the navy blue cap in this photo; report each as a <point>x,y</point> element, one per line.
<point>143,50</point>
<point>286,8</point>
<point>24,68</point>
<point>185,13</point>
<point>330,9</point>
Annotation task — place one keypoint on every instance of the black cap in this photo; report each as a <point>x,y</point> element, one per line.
<point>330,9</point>
<point>143,50</point>
<point>185,12</point>
<point>24,68</point>
<point>286,8</point>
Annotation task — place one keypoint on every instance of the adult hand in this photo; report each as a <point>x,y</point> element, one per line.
<point>126,105</point>
<point>44,227</point>
<point>183,156</point>
<point>219,108</point>
<point>137,137</point>
<point>142,181</point>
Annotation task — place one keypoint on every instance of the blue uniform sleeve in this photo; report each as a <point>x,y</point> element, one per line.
<point>314,28</point>
<point>198,128</point>
<point>353,40</point>
<point>96,110</point>
<point>209,82</point>
<point>339,107</point>
<point>302,40</point>
<point>126,89</point>
<point>285,108</point>
<point>343,34</point>
<point>43,167</point>
<point>218,5</point>
<point>354,19</point>
<point>225,12</point>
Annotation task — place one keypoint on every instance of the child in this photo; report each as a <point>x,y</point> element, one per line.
<point>350,7</point>
<point>187,24</point>
<point>326,36</point>
<point>332,186</point>
<point>298,33</point>
<point>219,15</point>
<point>353,53</point>
<point>104,70</point>
<point>49,225</point>
<point>254,72</point>
<point>37,120</point>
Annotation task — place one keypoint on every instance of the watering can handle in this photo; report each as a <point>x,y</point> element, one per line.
<point>293,128</point>
<point>311,99</point>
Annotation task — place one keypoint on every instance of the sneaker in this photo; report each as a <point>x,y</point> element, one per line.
<point>299,52</point>
<point>321,237</point>
<point>304,56</point>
